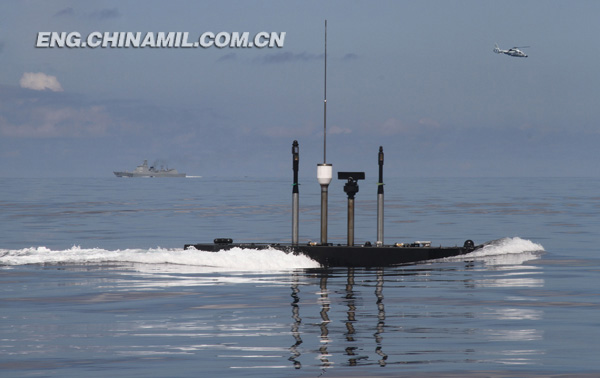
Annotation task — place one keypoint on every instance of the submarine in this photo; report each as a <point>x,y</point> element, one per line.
<point>366,255</point>
<point>328,254</point>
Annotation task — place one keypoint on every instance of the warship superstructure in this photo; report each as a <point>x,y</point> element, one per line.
<point>143,170</point>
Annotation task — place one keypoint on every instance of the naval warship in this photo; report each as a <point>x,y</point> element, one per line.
<point>144,171</point>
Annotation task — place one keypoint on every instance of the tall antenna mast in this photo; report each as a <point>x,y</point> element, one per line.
<point>324,171</point>
<point>325,103</point>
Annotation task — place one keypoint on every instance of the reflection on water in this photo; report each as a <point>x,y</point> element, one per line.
<point>457,312</point>
<point>381,318</point>
<point>296,324</point>
<point>355,328</point>
<point>511,314</point>
<point>324,302</point>
<point>433,313</point>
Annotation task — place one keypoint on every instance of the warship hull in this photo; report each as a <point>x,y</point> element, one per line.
<point>150,174</point>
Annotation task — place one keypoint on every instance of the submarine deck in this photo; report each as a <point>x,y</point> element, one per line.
<point>351,256</point>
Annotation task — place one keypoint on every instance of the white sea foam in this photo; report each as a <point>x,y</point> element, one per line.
<point>507,246</point>
<point>236,259</point>
<point>505,251</point>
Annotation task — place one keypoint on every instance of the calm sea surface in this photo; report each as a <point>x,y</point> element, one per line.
<point>94,280</point>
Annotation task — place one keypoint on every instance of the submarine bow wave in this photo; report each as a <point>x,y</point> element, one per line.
<point>505,251</point>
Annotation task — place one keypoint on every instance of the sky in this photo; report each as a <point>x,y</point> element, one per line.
<point>416,77</point>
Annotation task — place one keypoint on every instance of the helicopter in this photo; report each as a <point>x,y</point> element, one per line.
<point>512,52</point>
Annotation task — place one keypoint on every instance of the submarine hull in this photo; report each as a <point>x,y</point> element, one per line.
<point>351,256</point>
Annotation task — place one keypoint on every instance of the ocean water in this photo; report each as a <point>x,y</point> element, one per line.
<point>94,280</point>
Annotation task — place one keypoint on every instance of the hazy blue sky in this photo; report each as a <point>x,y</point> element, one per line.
<point>418,77</point>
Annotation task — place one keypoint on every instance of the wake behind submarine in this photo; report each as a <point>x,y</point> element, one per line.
<point>349,255</point>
